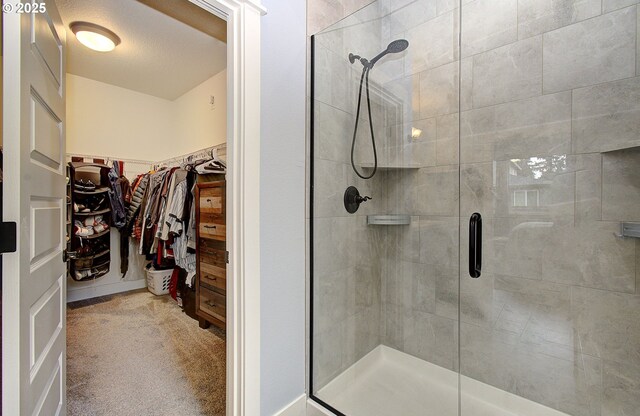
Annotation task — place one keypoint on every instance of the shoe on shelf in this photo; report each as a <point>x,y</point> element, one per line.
<point>80,185</point>
<point>96,204</point>
<point>101,225</point>
<point>89,221</point>
<point>83,231</point>
<point>89,186</point>
<point>82,274</point>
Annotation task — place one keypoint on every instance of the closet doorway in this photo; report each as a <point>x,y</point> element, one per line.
<point>146,152</point>
<point>113,115</point>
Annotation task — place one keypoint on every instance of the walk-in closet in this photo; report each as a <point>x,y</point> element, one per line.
<point>146,207</point>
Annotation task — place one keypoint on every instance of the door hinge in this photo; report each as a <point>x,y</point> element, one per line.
<point>227,257</point>
<point>8,236</point>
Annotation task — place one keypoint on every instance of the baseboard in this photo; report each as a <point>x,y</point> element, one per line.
<point>103,290</point>
<point>298,407</point>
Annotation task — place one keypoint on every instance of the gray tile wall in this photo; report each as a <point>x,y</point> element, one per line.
<point>549,94</point>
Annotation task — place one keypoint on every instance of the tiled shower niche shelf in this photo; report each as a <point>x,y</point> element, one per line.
<point>389,167</point>
<point>389,219</point>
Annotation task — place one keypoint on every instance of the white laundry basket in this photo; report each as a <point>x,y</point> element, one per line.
<point>158,281</point>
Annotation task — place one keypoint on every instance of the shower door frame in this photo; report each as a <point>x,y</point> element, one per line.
<point>312,396</point>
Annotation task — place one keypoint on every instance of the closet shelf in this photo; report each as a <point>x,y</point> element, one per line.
<point>97,191</point>
<point>92,276</point>
<point>93,256</point>
<point>94,266</point>
<point>98,212</point>
<point>97,235</point>
<point>77,165</point>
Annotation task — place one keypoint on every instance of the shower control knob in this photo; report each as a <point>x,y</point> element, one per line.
<point>352,199</point>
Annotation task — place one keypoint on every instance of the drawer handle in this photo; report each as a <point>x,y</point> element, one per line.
<point>212,278</point>
<point>209,226</point>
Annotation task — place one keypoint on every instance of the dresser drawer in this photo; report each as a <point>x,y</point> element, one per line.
<point>213,303</point>
<point>215,257</point>
<point>212,201</point>
<point>213,276</point>
<point>213,230</point>
<point>214,247</point>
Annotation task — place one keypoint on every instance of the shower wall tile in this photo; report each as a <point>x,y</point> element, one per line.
<point>621,383</point>
<point>466,84</point>
<point>432,338</point>
<point>441,47</point>
<point>588,188</point>
<point>406,90</point>
<point>536,17</point>
<point>610,5</point>
<point>621,185</point>
<point>439,242</point>
<point>331,298</point>
<point>411,285</point>
<point>423,335</point>
<point>362,335</point>
<point>500,358</point>
<point>331,134</point>
<point>409,16</point>
<point>589,256</point>
<point>488,24</point>
<point>597,50</point>
<point>490,188</point>
<point>405,150</point>
<point>443,6</point>
<point>476,299</point>
<point>333,80</point>
<point>607,324</point>
<point>447,142</point>
<point>439,91</point>
<point>447,292</point>
<point>437,192</point>
<point>607,116</point>
<point>322,13</point>
<point>333,239</point>
<point>536,126</point>
<point>328,354</point>
<point>518,66</point>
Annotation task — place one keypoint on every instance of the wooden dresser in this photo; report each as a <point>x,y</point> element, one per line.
<point>211,257</point>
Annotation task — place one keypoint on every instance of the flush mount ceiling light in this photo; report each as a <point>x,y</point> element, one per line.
<point>95,37</point>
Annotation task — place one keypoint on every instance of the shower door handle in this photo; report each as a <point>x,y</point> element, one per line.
<point>475,245</point>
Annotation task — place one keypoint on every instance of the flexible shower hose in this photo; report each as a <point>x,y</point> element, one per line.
<point>365,78</point>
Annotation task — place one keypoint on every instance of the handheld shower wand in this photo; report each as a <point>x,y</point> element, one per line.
<point>394,47</point>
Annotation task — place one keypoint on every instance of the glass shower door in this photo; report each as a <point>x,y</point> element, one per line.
<point>384,333</point>
<point>549,153</point>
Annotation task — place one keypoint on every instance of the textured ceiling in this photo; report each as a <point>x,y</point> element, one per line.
<point>158,55</point>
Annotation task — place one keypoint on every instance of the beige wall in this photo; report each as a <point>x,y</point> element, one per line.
<point>103,119</point>
<point>200,124</point>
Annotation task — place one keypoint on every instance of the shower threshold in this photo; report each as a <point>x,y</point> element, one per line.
<point>389,382</point>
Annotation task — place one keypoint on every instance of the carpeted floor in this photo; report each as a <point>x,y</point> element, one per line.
<point>139,354</point>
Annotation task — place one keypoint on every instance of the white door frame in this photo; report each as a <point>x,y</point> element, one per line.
<point>243,204</point>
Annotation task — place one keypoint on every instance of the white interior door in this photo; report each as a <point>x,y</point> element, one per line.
<point>34,277</point>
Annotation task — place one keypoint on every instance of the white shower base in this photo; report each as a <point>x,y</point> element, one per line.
<point>389,382</point>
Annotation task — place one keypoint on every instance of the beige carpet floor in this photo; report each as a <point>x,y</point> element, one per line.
<point>139,354</point>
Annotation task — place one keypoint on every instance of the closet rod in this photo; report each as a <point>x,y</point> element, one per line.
<point>192,154</point>
<point>110,158</point>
